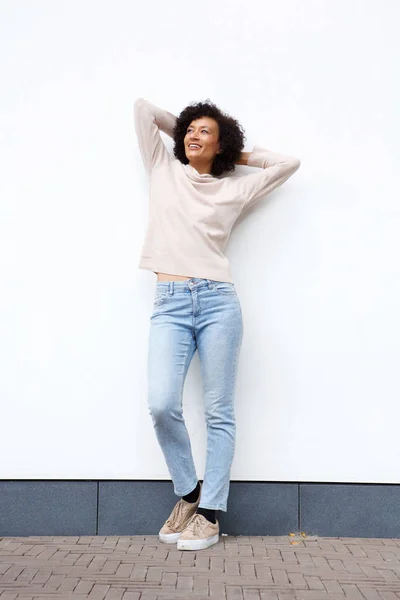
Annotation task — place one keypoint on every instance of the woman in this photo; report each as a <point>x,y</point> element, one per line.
<point>196,307</point>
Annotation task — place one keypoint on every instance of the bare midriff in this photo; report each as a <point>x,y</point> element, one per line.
<point>168,277</point>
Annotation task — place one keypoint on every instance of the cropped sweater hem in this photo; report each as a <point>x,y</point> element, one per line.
<point>205,271</point>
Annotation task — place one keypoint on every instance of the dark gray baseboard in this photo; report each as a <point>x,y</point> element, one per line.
<point>31,507</point>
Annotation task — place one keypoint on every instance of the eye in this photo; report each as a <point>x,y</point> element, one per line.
<point>201,130</point>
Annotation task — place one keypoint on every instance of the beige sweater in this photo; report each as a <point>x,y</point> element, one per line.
<point>191,214</point>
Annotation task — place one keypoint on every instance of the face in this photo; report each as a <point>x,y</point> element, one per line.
<point>205,133</point>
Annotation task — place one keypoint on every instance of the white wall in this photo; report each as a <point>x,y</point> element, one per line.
<point>318,381</point>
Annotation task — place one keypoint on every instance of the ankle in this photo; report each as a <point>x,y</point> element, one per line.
<point>208,513</point>
<point>193,496</point>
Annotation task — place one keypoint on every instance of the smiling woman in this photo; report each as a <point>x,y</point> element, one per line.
<point>202,143</point>
<point>196,306</point>
<point>220,137</point>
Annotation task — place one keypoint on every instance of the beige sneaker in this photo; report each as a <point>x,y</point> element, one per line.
<point>198,534</point>
<point>178,519</point>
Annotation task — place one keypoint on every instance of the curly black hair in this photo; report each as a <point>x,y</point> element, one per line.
<point>231,135</point>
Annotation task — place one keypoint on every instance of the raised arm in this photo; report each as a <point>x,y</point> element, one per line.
<point>149,120</point>
<point>276,169</point>
<point>243,158</point>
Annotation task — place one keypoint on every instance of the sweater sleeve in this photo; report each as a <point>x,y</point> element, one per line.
<point>276,169</point>
<point>149,120</point>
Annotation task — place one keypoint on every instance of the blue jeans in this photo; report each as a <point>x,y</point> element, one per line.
<point>187,315</point>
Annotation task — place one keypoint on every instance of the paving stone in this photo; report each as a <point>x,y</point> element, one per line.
<point>237,568</point>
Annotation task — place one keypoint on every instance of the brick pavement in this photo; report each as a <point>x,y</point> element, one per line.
<point>237,568</point>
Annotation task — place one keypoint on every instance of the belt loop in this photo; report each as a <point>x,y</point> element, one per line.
<point>171,288</point>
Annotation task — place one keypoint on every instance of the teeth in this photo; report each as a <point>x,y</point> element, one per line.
<point>194,146</point>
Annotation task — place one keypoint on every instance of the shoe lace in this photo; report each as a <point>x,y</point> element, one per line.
<point>196,524</point>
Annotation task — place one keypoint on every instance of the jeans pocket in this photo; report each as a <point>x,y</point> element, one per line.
<point>160,298</point>
<point>225,288</point>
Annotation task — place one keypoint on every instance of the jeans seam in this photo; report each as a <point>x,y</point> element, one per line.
<point>232,395</point>
<point>186,366</point>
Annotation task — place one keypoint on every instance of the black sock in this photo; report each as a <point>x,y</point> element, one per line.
<point>194,495</point>
<point>208,513</point>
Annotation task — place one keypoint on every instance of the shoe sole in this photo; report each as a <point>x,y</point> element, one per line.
<point>168,538</point>
<point>197,544</point>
